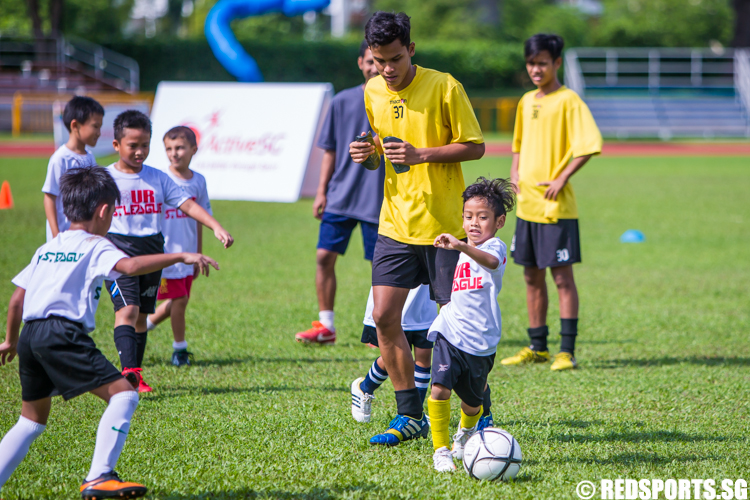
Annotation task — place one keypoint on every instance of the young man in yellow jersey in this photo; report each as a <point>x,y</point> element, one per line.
<point>554,136</point>
<point>435,128</point>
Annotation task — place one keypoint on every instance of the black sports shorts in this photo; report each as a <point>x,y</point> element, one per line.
<point>546,245</point>
<point>57,357</point>
<point>415,338</point>
<point>141,290</point>
<point>401,265</point>
<point>461,372</point>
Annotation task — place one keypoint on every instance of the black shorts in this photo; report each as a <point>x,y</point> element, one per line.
<point>415,338</point>
<point>401,265</point>
<point>463,373</point>
<point>141,290</point>
<point>57,357</point>
<point>546,245</point>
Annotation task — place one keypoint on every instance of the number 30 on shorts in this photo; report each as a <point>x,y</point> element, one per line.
<point>563,255</point>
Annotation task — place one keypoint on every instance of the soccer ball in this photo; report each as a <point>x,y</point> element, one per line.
<point>492,454</point>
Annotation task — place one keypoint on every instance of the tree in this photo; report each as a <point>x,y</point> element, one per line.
<point>741,23</point>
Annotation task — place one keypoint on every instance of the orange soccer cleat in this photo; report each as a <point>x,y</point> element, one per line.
<point>110,485</point>
<point>318,334</point>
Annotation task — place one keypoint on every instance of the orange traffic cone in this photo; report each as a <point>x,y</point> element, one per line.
<point>6,198</point>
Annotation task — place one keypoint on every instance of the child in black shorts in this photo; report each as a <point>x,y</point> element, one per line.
<point>56,298</point>
<point>467,330</point>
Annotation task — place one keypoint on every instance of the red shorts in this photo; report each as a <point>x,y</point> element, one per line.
<point>174,289</point>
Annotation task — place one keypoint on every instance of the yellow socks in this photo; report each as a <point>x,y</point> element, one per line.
<point>440,416</point>
<point>468,422</point>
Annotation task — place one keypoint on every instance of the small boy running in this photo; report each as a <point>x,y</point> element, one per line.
<point>56,298</point>
<point>83,119</point>
<point>136,230</point>
<point>468,329</point>
<point>181,234</point>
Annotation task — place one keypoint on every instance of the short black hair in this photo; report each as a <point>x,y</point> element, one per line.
<point>363,48</point>
<point>498,194</point>
<point>131,119</point>
<point>181,131</point>
<point>385,27</point>
<point>84,189</point>
<point>80,109</point>
<point>551,43</point>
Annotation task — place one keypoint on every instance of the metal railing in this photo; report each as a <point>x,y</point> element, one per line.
<point>495,114</point>
<point>103,64</point>
<point>573,77</point>
<point>742,80</point>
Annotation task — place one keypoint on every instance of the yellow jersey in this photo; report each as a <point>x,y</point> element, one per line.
<point>549,132</point>
<point>432,111</point>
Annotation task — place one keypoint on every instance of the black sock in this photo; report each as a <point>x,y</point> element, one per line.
<point>568,332</point>
<point>140,339</point>
<point>487,404</point>
<point>125,341</point>
<point>538,338</point>
<point>408,403</point>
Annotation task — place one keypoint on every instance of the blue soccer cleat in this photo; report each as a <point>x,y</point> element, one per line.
<point>402,428</point>
<point>486,421</point>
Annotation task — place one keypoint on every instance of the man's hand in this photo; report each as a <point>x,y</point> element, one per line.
<point>360,151</point>
<point>7,352</point>
<point>554,189</point>
<point>319,206</point>
<point>223,236</point>
<point>448,242</point>
<point>196,271</point>
<point>402,153</point>
<point>203,262</point>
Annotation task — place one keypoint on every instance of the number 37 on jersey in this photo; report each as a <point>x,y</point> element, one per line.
<point>398,108</point>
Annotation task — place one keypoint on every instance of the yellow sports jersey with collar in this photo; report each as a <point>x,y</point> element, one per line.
<point>432,111</point>
<point>549,132</point>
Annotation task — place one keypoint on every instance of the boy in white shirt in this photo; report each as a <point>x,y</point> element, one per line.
<point>181,234</point>
<point>56,298</point>
<point>467,330</point>
<point>82,117</point>
<point>136,230</point>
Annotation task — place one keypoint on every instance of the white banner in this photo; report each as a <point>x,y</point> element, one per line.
<point>255,140</point>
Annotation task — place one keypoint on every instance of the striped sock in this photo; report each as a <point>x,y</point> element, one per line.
<point>422,380</point>
<point>374,378</point>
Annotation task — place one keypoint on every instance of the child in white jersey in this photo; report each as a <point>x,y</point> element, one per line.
<point>56,297</point>
<point>136,230</point>
<point>467,330</point>
<point>82,117</point>
<point>181,234</point>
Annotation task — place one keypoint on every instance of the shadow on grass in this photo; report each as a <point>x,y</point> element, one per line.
<point>313,494</point>
<point>639,437</point>
<point>637,458</point>
<point>176,392</point>
<point>669,361</point>
<point>578,424</point>
<point>153,361</point>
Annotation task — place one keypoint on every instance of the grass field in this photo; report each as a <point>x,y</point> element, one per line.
<point>662,389</point>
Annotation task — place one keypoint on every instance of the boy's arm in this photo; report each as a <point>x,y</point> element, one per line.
<point>144,264</point>
<point>197,212</point>
<point>326,172</point>
<point>15,314</point>
<point>557,185</point>
<point>450,242</point>
<point>50,210</point>
<point>406,154</point>
<point>514,176</point>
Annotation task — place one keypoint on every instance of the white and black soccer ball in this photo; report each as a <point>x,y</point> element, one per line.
<point>492,454</point>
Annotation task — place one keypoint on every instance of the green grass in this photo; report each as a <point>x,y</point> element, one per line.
<point>662,390</point>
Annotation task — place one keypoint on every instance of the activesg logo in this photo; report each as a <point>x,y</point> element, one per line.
<point>670,489</point>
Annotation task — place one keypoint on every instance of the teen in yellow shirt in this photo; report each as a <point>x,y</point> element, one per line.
<point>555,135</point>
<point>430,113</point>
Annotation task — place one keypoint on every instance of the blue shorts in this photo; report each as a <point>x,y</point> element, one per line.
<point>335,231</point>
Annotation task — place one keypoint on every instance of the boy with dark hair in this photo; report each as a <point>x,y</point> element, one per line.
<point>82,117</point>
<point>56,297</point>
<point>425,121</point>
<point>555,135</point>
<point>468,329</point>
<point>347,195</point>
<point>136,230</point>
<point>181,234</point>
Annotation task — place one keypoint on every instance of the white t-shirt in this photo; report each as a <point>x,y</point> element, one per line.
<point>60,162</point>
<point>142,199</point>
<point>65,277</point>
<point>180,231</point>
<point>471,321</point>
<point>418,314</point>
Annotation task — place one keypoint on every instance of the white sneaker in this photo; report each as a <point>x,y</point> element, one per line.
<point>459,441</point>
<point>443,460</point>
<point>361,402</point>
